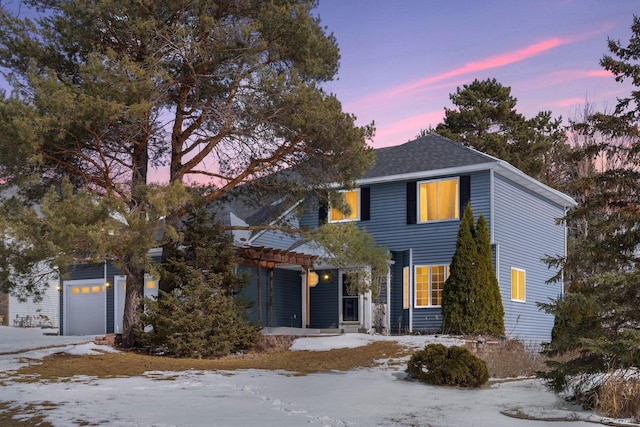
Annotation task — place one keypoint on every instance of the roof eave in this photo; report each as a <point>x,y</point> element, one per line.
<point>427,174</point>
<point>516,175</point>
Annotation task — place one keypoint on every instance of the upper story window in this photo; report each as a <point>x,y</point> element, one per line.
<point>351,198</point>
<point>438,200</point>
<point>518,284</point>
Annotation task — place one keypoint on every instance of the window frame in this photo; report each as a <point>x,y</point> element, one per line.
<point>419,184</point>
<point>344,218</point>
<point>518,271</point>
<point>429,289</point>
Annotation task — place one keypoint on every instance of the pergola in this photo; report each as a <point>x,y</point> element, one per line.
<point>269,258</point>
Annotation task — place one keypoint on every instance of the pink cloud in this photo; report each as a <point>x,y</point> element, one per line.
<point>568,102</point>
<point>476,66</point>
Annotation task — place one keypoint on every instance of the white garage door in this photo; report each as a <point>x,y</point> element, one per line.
<point>120,285</point>
<point>85,307</point>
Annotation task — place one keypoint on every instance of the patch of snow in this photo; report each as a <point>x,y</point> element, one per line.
<point>380,396</point>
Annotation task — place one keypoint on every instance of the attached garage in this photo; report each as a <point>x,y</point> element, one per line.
<point>85,307</point>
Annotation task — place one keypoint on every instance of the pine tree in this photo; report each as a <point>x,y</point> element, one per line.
<point>202,315</point>
<point>597,320</point>
<point>486,119</point>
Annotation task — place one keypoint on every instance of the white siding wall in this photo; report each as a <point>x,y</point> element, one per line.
<point>45,312</point>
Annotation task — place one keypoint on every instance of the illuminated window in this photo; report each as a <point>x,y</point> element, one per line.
<point>437,284</point>
<point>95,289</point>
<point>75,291</point>
<point>429,283</point>
<point>517,284</point>
<point>85,289</point>
<point>352,200</point>
<point>405,287</point>
<point>151,284</point>
<point>438,200</point>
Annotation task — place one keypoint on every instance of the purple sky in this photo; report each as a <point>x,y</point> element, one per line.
<point>402,58</point>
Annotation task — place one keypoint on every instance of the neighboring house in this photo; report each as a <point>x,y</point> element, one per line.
<point>410,202</point>
<point>30,313</point>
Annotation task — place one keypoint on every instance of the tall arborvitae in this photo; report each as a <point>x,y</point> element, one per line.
<point>493,311</point>
<point>460,292</point>
<point>471,301</point>
<point>202,315</point>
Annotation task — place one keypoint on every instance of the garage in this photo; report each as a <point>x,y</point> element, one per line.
<point>85,307</point>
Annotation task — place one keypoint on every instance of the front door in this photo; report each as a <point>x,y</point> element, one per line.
<point>350,301</point>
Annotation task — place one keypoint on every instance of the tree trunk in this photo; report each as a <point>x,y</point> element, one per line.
<point>133,306</point>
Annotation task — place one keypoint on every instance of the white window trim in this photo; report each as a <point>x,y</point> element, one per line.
<point>456,178</point>
<point>357,218</point>
<point>524,285</point>
<point>429,284</point>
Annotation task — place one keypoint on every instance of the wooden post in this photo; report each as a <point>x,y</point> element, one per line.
<point>259,286</point>
<point>270,297</point>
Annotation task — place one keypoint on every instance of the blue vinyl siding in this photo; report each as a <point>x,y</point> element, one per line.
<point>278,239</point>
<point>398,315</point>
<point>287,298</point>
<point>432,243</point>
<point>525,232</point>
<point>286,307</point>
<point>324,303</point>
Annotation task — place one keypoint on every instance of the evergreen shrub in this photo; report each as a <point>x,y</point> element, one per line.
<point>451,366</point>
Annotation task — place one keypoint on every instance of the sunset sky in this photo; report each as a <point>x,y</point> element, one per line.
<point>402,58</point>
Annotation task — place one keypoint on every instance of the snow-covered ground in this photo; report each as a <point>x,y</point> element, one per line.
<point>365,397</point>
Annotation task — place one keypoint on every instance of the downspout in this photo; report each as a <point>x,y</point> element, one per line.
<point>411,290</point>
<point>566,251</point>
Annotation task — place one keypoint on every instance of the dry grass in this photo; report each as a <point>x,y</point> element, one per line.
<point>512,360</point>
<point>64,366</point>
<point>28,415</point>
<point>619,398</point>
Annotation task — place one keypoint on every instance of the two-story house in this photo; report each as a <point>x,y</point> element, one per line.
<point>410,201</point>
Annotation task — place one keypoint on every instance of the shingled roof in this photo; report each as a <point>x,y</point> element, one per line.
<point>435,155</point>
<point>429,153</point>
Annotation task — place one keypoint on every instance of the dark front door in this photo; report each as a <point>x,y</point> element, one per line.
<point>349,301</point>
<point>399,292</point>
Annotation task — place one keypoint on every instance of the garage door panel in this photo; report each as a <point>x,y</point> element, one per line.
<point>85,307</point>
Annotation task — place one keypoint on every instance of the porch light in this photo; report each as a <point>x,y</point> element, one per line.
<point>326,276</point>
<point>312,279</point>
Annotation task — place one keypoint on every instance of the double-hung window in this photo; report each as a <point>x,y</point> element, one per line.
<point>350,199</point>
<point>518,287</point>
<point>429,283</point>
<point>438,200</point>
